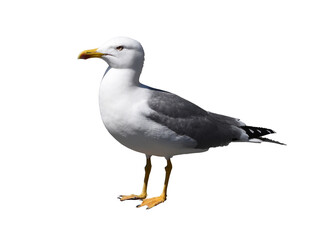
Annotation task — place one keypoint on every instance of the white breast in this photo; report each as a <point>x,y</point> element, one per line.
<point>123,106</point>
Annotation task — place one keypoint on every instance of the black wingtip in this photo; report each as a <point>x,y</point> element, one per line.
<point>271,141</point>
<point>256,132</point>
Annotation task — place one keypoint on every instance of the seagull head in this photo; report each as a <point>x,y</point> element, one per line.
<point>119,52</point>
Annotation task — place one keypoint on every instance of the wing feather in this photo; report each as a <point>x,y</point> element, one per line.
<point>186,118</point>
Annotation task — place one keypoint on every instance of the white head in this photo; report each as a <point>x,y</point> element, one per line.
<point>119,52</point>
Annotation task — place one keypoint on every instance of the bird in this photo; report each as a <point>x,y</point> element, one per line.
<point>156,122</point>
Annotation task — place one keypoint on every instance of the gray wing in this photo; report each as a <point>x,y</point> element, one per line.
<point>186,118</point>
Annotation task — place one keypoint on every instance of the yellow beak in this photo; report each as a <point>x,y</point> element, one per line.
<point>92,53</point>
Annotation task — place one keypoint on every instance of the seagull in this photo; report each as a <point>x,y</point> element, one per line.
<point>156,122</point>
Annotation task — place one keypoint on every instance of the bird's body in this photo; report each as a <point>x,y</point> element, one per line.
<point>156,122</point>
<point>125,113</point>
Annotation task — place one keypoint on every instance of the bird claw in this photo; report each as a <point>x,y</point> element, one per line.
<point>152,202</point>
<point>132,197</point>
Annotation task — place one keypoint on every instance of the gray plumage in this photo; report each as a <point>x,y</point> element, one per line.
<point>185,118</point>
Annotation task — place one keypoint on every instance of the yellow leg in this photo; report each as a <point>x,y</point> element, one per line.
<point>152,202</point>
<point>143,194</point>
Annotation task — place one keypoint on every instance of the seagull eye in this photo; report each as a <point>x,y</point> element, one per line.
<point>119,48</point>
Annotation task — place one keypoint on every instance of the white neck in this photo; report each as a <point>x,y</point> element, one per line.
<point>116,90</point>
<point>121,77</point>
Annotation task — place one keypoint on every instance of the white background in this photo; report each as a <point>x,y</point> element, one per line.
<point>261,61</point>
